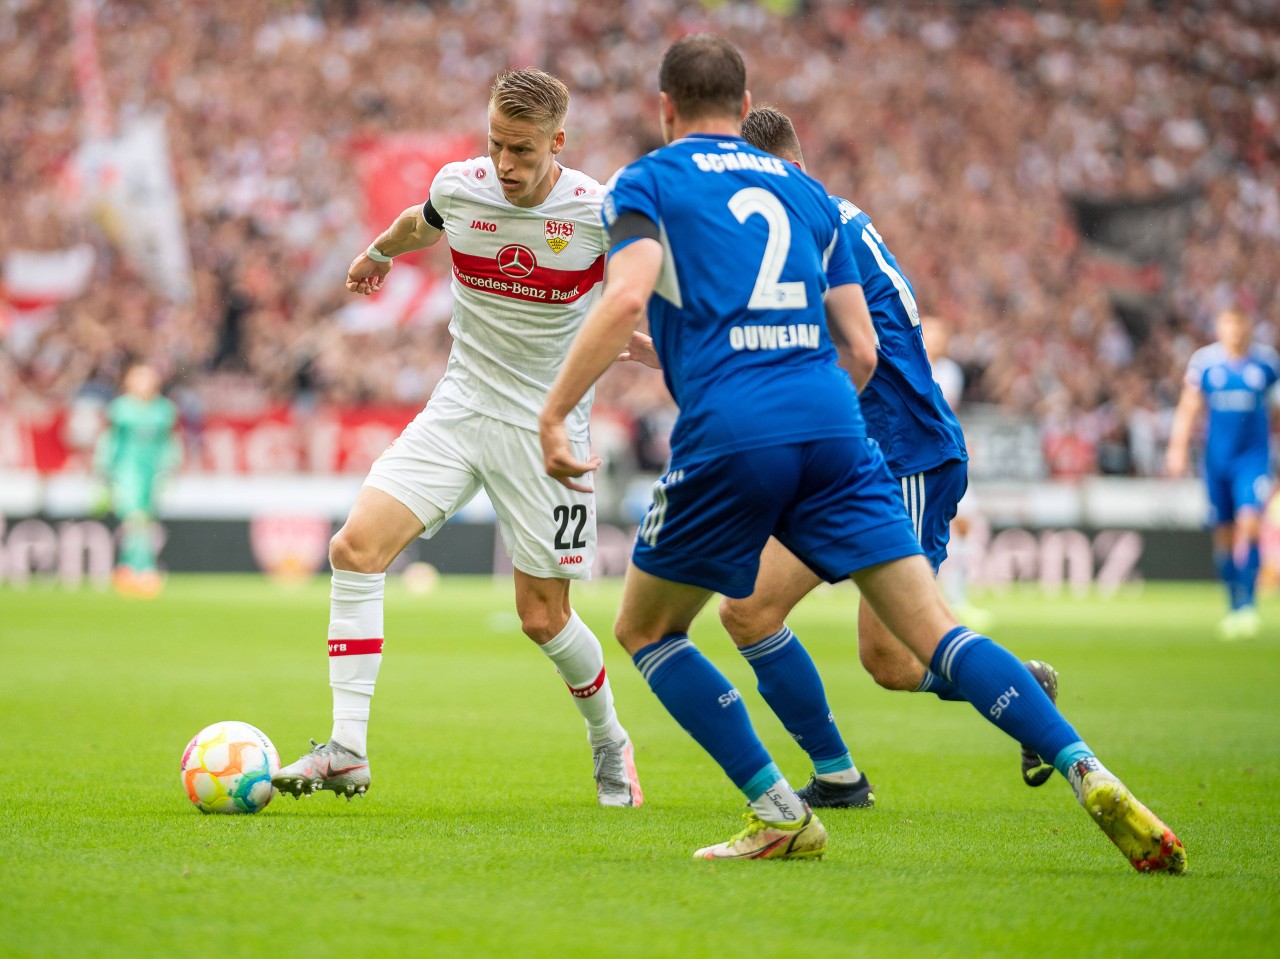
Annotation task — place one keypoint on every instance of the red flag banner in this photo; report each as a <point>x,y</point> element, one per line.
<point>396,170</point>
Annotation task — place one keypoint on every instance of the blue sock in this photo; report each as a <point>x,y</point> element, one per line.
<point>1001,689</point>
<point>1247,575</point>
<point>1225,564</point>
<point>931,682</point>
<point>1069,755</point>
<point>705,703</point>
<point>790,684</point>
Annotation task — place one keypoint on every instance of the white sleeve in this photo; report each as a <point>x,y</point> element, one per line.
<point>950,378</point>
<point>1196,368</point>
<point>442,188</point>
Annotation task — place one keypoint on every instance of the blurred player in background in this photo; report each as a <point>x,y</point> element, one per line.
<point>742,261</point>
<point>138,449</point>
<point>528,258</point>
<point>1233,379</point>
<point>954,579</point>
<point>923,444</point>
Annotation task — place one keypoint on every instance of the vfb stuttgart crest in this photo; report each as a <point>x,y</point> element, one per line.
<point>558,234</point>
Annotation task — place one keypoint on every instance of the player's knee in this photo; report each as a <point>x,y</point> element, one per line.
<point>631,637</point>
<point>540,623</point>
<point>891,672</point>
<point>747,622</point>
<point>355,554</point>
<point>1224,536</point>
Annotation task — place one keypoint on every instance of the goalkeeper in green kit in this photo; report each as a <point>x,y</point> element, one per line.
<point>136,451</point>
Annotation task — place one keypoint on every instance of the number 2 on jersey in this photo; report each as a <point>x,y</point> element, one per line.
<point>564,515</point>
<point>768,293</point>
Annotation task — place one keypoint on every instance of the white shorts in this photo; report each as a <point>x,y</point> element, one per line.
<point>448,453</point>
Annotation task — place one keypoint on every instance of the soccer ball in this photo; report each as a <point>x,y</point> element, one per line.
<point>227,768</point>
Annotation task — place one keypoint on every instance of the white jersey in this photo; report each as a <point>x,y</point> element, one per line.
<point>523,281</point>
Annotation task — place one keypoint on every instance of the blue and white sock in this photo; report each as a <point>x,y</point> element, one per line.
<point>1003,691</point>
<point>931,682</point>
<point>705,703</point>
<point>1074,763</point>
<point>789,682</point>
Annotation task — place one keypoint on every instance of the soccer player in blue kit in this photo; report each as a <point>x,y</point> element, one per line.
<point>924,447</point>
<point>923,444</point>
<point>1233,379</point>
<point>741,261</point>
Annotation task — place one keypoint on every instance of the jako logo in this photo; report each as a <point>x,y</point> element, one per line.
<point>484,225</point>
<point>570,560</point>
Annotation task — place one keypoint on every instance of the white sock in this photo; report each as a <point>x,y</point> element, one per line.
<point>778,803</point>
<point>355,653</point>
<point>1081,768</point>
<point>846,776</point>
<point>580,660</point>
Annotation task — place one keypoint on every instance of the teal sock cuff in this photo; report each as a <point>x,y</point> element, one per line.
<point>825,767</point>
<point>1069,755</point>
<point>757,784</point>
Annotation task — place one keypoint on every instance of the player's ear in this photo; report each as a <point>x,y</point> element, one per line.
<point>746,105</point>
<point>666,110</point>
<point>557,142</point>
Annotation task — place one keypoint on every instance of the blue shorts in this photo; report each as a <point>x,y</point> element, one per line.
<point>1246,486</point>
<point>931,499</point>
<point>831,502</point>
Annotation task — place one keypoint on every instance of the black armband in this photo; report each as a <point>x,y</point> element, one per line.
<point>433,218</point>
<point>632,226</point>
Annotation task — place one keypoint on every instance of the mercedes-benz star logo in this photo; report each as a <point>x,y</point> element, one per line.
<point>516,260</point>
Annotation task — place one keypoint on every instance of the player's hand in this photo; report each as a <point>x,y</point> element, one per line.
<point>640,350</point>
<point>366,275</point>
<point>1175,462</point>
<point>558,459</point>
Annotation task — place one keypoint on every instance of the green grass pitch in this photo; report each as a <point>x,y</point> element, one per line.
<point>481,837</point>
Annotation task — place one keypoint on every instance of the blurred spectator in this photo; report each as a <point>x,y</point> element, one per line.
<point>960,128</point>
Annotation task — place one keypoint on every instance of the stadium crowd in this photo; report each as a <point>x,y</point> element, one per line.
<point>962,129</point>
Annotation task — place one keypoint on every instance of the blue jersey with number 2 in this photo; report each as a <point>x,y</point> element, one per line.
<point>751,245</point>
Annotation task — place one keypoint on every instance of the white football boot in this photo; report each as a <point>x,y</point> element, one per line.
<point>615,770</point>
<point>328,766</point>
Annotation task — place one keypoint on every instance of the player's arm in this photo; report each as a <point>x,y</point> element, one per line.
<point>417,228</point>
<point>850,321</point>
<point>1190,404</point>
<point>606,332</point>
<point>848,318</point>
<point>104,451</point>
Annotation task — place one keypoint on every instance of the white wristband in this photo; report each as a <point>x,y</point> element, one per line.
<point>375,254</point>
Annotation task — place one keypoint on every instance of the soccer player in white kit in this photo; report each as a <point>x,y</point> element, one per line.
<point>528,245</point>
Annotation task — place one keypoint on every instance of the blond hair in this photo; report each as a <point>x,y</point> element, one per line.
<point>531,95</point>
